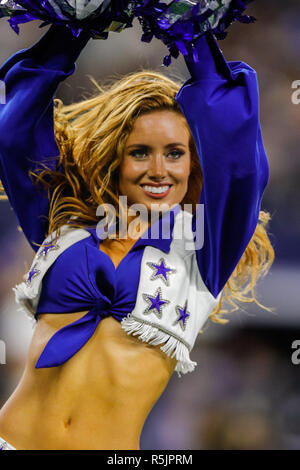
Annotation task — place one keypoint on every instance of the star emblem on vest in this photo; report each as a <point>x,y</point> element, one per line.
<point>161,271</point>
<point>46,248</point>
<point>3,446</point>
<point>32,273</point>
<point>155,303</point>
<point>183,315</point>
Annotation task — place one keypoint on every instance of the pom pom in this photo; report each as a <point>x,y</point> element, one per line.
<point>96,16</point>
<point>177,23</point>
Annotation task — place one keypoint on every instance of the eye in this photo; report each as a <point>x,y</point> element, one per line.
<point>138,153</point>
<point>175,154</point>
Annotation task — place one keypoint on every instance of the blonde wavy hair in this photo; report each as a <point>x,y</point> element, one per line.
<point>91,135</point>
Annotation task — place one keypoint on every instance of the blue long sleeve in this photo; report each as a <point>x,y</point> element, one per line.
<point>221,105</point>
<point>31,78</point>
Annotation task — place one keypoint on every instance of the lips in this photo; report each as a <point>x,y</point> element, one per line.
<point>156,191</point>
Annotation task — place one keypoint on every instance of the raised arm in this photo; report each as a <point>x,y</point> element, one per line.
<point>31,77</point>
<point>221,105</point>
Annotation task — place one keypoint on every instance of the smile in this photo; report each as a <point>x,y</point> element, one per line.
<point>156,192</point>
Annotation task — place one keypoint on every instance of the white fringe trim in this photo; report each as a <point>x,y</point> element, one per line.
<point>23,296</point>
<point>153,335</point>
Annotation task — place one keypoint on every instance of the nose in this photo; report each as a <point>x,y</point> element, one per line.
<point>157,166</point>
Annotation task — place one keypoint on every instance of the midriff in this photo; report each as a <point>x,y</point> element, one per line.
<point>98,399</point>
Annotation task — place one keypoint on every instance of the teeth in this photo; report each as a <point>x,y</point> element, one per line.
<point>152,189</point>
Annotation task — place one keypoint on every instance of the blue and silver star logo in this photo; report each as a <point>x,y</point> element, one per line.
<point>46,248</point>
<point>155,303</point>
<point>32,273</point>
<point>161,271</point>
<point>183,315</point>
<point>3,446</point>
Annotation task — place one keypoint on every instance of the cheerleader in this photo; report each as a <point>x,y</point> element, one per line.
<point>115,317</point>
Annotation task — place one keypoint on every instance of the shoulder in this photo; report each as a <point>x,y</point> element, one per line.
<point>53,247</point>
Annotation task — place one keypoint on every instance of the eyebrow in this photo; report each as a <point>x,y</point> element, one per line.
<point>149,146</point>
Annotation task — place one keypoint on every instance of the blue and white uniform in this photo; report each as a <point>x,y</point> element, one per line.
<point>165,288</point>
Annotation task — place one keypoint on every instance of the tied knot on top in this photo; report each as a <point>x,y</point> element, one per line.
<point>102,308</point>
<point>67,341</point>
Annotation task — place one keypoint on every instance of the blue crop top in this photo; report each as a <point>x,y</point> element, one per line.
<point>221,105</point>
<point>85,278</point>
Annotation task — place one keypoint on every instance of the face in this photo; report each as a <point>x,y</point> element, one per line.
<point>156,162</point>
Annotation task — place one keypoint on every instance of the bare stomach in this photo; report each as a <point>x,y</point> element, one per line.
<point>98,399</point>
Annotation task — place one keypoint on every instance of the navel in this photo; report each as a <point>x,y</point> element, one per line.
<point>67,422</point>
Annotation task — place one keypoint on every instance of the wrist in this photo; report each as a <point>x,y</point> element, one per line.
<point>205,59</point>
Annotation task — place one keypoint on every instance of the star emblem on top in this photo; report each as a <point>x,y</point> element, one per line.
<point>3,446</point>
<point>183,315</point>
<point>155,303</point>
<point>161,271</point>
<point>32,273</point>
<point>46,248</point>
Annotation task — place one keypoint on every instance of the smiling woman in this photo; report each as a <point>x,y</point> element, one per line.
<point>154,165</point>
<point>115,318</point>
